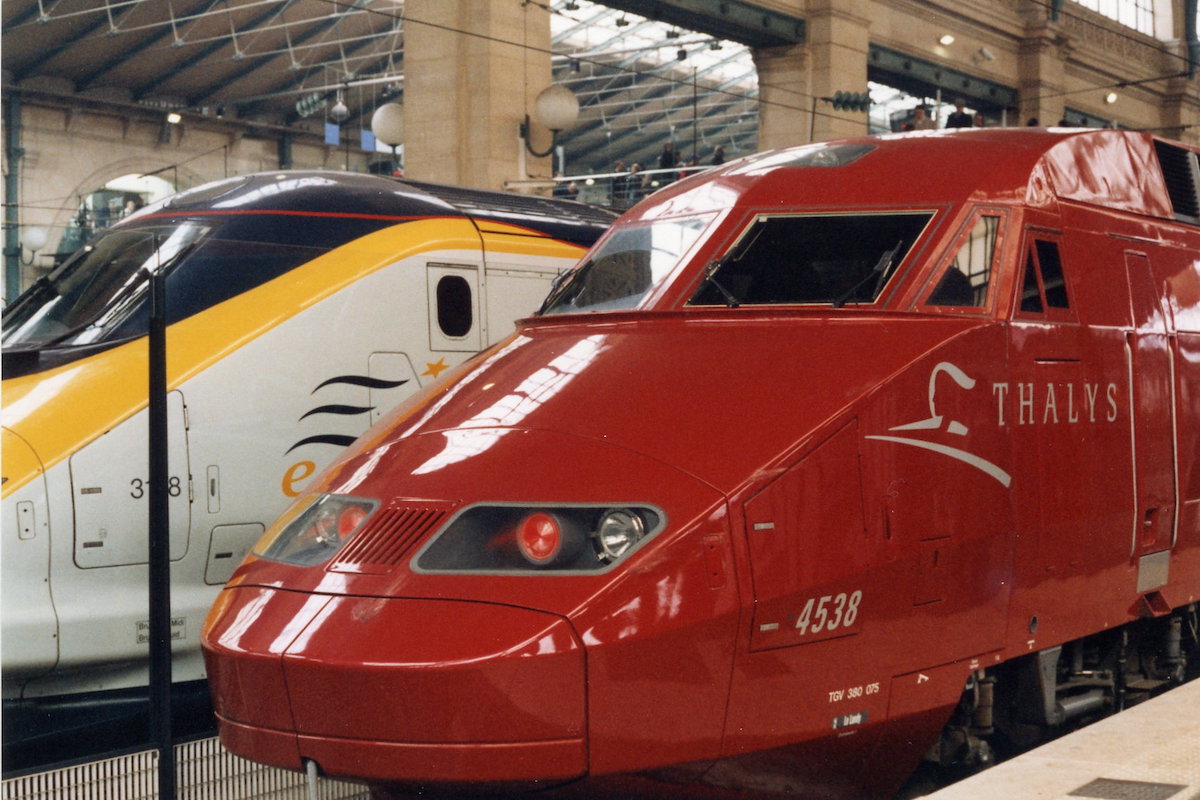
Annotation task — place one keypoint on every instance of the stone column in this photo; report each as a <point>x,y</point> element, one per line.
<point>1181,106</point>
<point>784,102</point>
<point>792,80</point>
<point>472,70</point>
<point>1042,59</point>
<point>1181,111</point>
<point>839,33</point>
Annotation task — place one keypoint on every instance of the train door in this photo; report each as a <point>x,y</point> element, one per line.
<point>454,323</point>
<point>30,637</point>
<point>809,550</point>
<point>512,294</point>
<point>392,378</point>
<point>1052,404</point>
<point>1152,426</point>
<point>516,282</point>
<point>110,486</point>
<point>810,663</point>
<point>1066,404</point>
<point>1050,397</point>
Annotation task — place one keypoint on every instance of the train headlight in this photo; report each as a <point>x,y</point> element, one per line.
<point>318,532</point>
<point>540,538</point>
<point>618,531</point>
<point>513,538</point>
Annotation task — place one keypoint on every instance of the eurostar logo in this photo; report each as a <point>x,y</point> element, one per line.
<point>936,423</point>
<point>436,368</point>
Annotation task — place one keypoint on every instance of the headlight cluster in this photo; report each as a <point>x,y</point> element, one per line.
<point>521,538</point>
<point>318,532</point>
<point>500,538</point>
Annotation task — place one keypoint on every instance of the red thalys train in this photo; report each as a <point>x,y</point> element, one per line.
<point>822,462</point>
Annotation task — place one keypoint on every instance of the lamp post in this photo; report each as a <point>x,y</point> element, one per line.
<point>33,238</point>
<point>387,123</point>
<point>556,108</point>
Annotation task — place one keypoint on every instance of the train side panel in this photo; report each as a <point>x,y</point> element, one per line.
<point>1102,408</point>
<point>1017,493</point>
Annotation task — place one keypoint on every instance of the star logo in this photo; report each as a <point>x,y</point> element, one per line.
<point>436,368</point>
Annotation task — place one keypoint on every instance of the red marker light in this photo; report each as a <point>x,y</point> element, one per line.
<point>349,520</point>
<point>539,538</point>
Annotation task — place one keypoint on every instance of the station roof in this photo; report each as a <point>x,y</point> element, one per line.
<point>640,81</point>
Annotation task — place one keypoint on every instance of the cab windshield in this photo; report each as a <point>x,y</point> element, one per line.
<point>97,289</point>
<point>100,294</point>
<point>631,262</point>
<point>812,259</point>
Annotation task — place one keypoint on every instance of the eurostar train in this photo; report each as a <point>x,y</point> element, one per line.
<point>301,306</point>
<point>821,463</point>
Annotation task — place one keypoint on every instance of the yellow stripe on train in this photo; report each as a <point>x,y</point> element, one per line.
<point>105,389</point>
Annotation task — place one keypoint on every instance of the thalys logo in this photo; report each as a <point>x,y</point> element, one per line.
<point>1019,404</point>
<point>937,425</point>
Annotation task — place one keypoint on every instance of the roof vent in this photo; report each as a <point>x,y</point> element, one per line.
<point>1181,170</point>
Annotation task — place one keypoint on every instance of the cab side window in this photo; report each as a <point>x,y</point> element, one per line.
<point>966,279</point>
<point>1031,293</point>
<point>1043,284</point>
<point>1054,285</point>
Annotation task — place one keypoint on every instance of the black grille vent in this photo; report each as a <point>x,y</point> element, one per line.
<point>383,543</point>
<point>1182,174</point>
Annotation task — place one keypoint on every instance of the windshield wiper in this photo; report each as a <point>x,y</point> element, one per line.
<point>877,272</point>
<point>559,286</point>
<point>119,305</point>
<point>125,294</point>
<point>42,285</point>
<point>710,277</point>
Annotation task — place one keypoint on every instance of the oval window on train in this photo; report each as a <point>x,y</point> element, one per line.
<point>454,306</point>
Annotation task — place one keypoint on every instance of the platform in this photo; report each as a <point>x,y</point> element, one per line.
<point>204,771</point>
<point>1148,752</point>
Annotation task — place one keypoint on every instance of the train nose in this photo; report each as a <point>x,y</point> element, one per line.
<point>397,690</point>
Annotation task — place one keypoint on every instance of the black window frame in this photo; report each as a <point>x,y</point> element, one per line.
<point>1034,250</point>
<point>950,256</point>
<point>709,294</point>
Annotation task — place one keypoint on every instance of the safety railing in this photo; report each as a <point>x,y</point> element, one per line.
<point>204,770</point>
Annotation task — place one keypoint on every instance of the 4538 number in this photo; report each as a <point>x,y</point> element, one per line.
<point>829,613</point>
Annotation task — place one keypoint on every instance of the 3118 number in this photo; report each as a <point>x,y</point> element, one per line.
<point>139,487</point>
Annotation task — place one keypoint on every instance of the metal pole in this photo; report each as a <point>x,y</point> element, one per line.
<point>12,196</point>
<point>285,151</point>
<point>695,116</point>
<point>160,544</point>
<point>1190,10</point>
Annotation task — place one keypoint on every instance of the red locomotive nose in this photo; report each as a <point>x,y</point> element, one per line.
<point>397,689</point>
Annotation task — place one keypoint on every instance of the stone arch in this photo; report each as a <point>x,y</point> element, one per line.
<point>180,176</point>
